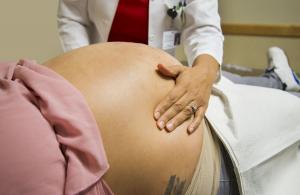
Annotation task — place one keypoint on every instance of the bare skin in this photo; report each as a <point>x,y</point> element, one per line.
<point>122,88</point>
<point>193,88</point>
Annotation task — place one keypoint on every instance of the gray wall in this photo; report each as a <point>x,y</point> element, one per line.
<point>28,29</point>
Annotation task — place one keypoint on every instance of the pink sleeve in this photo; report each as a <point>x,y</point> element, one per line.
<point>75,127</point>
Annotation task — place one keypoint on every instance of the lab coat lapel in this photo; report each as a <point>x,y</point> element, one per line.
<point>104,17</point>
<point>157,11</point>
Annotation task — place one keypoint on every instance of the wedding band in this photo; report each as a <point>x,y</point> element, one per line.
<point>194,108</point>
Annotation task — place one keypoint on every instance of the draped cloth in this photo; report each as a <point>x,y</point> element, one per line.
<point>49,140</point>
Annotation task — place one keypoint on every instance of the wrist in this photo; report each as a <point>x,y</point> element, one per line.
<point>207,65</point>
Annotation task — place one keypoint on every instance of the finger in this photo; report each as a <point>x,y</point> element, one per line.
<point>197,120</point>
<point>170,71</point>
<point>175,108</point>
<point>185,114</point>
<point>168,101</point>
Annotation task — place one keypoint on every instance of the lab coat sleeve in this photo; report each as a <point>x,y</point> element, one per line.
<point>202,32</point>
<point>73,23</point>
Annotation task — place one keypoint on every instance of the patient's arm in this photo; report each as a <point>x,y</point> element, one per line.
<point>122,88</point>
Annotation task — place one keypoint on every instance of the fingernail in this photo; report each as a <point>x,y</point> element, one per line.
<point>170,126</point>
<point>156,115</point>
<point>191,129</point>
<point>161,124</point>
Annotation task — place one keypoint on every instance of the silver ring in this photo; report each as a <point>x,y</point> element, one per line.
<point>194,108</point>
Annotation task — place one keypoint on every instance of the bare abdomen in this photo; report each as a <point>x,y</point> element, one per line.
<point>121,86</point>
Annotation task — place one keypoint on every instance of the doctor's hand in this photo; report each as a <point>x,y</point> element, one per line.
<point>190,96</point>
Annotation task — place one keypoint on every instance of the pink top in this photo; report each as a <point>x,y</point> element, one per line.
<point>49,139</point>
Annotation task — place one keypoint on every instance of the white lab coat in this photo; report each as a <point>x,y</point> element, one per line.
<point>260,128</point>
<point>83,22</point>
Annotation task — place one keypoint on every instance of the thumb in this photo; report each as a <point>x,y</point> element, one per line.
<point>171,70</point>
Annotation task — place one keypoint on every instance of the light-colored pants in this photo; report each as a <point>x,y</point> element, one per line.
<point>270,80</point>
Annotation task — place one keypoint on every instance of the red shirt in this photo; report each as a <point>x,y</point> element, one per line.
<point>130,23</point>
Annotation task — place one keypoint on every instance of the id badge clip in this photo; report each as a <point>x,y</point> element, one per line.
<point>175,10</point>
